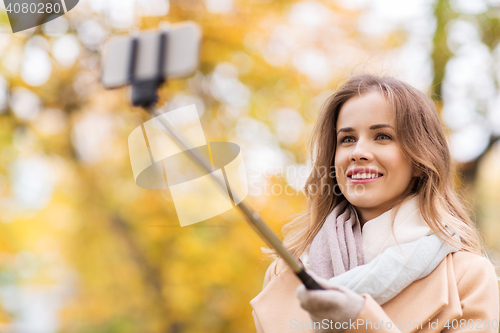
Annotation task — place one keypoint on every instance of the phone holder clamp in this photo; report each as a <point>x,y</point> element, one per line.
<point>144,92</point>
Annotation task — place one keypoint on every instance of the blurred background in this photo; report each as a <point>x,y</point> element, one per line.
<point>83,249</point>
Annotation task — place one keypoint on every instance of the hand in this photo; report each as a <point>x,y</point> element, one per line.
<point>335,304</point>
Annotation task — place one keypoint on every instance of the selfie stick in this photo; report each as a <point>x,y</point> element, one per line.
<point>144,94</point>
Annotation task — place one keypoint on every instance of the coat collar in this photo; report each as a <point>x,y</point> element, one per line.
<point>424,299</point>
<point>278,309</point>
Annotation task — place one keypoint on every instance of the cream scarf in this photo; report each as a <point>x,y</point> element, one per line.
<point>371,261</point>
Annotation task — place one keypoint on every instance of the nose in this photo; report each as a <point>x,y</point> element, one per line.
<point>361,152</point>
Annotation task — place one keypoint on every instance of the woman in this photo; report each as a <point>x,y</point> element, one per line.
<point>384,233</point>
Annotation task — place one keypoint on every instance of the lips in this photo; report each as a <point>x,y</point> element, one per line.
<point>356,171</point>
<point>364,180</point>
<point>363,175</point>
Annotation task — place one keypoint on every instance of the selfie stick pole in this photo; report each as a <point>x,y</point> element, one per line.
<point>144,94</point>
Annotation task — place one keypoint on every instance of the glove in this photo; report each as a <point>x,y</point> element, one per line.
<point>331,309</point>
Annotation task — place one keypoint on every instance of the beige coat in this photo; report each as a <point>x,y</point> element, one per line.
<point>463,286</point>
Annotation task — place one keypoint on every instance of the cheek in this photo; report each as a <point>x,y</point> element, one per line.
<point>341,164</point>
<point>341,157</point>
<point>400,165</point>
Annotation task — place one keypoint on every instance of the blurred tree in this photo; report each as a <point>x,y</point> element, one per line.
<point>489,29</point>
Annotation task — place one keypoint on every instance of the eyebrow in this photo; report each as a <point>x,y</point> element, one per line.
<point>373,127</point>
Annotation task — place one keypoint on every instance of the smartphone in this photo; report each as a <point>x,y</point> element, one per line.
<point>181,55</point>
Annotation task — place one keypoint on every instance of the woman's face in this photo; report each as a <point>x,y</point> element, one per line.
<point>371,170</point>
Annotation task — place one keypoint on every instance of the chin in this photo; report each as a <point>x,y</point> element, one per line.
<point>365,200</point>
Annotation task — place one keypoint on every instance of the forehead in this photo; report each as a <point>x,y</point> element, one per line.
<point>365,110</point>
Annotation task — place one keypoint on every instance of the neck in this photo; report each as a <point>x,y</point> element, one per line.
<point>367,214</point>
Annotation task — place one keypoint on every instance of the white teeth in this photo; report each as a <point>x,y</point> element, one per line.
<point>364,176</point>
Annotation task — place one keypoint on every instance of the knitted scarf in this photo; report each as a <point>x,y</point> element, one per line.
<point>338,246</point>
<point>336,253</point>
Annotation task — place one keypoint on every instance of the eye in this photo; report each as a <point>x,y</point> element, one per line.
<point>383,136</point>
<point>345,138</point>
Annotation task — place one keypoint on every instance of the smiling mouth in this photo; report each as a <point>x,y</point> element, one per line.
<point>364,176</point>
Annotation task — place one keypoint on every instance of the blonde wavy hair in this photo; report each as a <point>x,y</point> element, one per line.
<point>422,140</point>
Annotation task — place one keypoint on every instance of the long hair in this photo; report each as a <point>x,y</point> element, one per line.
<point>423,142</point>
